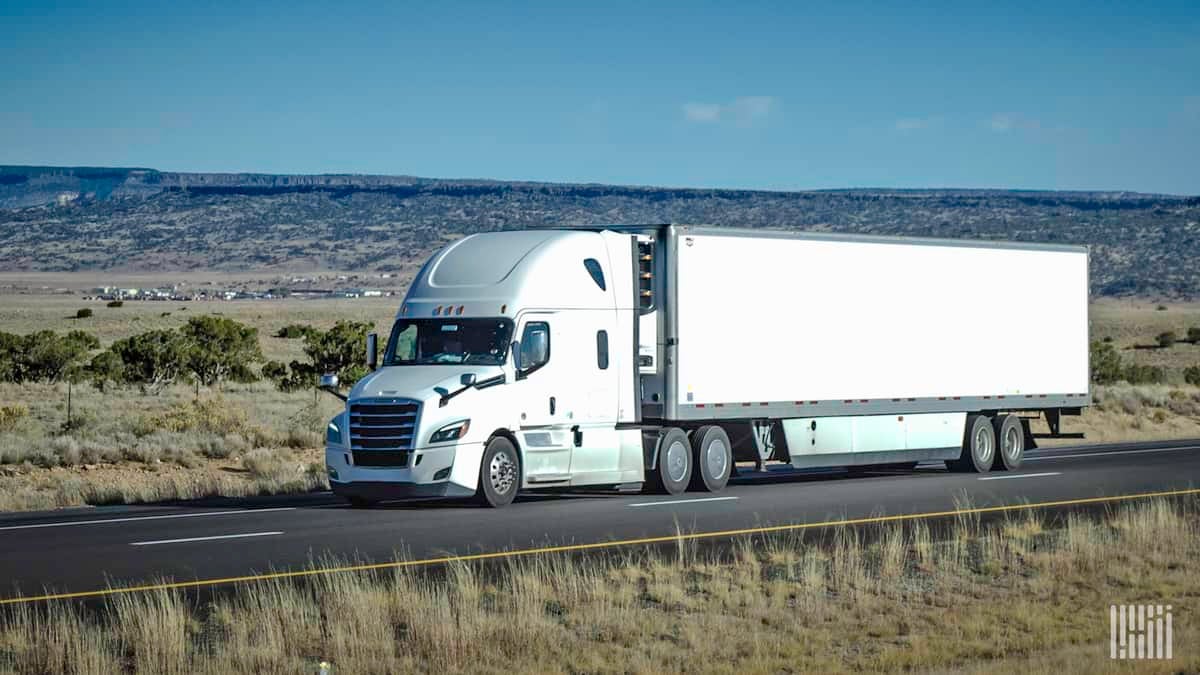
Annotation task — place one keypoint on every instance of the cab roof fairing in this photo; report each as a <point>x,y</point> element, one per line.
<point>521,269</point>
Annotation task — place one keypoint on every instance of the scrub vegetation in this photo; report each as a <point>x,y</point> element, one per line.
<point>1027,592</point>
<point>154,437</point>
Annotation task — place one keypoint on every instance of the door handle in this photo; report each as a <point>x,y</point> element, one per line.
<point>552,405</point>
<point>578,433</point>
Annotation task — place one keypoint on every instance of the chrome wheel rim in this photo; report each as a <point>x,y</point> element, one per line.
<point>716,459</point>
<point>502,472</point>
<point>677,460</point>
<point>1013,443</point>
<point>983,444</point>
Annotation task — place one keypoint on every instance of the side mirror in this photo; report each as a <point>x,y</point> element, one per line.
<point>467,379</point>
<point>372,351</point>
<point>329,384</point>
<point>515,348</point>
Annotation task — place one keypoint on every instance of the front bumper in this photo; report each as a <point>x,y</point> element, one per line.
<point>377,491</point>
<point>442,471</point>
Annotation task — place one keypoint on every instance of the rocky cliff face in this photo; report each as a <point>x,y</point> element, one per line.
<point>146,220</point>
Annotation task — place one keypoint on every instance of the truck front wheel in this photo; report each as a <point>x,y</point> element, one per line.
<point>673,471</point>
<point>499,473</point>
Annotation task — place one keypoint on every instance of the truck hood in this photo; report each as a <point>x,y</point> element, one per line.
<point>420,383</point>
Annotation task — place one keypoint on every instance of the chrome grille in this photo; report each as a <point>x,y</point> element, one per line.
<point>382,427</point>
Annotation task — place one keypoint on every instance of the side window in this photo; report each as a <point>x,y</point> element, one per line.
<point>602,349</point>
<point>535,346</point>
<point>594,269</point>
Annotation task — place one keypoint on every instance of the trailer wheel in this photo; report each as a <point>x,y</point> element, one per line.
<point>712,458</point>
<point>499,473</point>
<point>979,446</point>
<point>673,471</point>
<point>1010,442</point>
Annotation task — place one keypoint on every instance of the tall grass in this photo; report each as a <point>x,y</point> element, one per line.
<point>1024,597</point>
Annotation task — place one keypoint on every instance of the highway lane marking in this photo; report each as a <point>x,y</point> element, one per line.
<point>1023,475</point>
<point>190,539</point>
<point>69,523</point>
<point>568,548</point>
<point>1112,452</point>
<point>683,501</point>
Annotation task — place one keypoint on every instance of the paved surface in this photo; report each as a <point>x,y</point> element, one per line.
<point>83,550</point>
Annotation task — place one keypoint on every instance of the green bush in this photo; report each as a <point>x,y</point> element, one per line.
<point>1193,335</point>
<point>153,359</point>
<point>115,303</point>
<point>1191,375</point>
<point>294,331</point>
<point>1106,363</point>
<point>1166,339</point>
<point>220,348</point>
<point>1137,374</point>
<point>84,313</point>
<point>341,349</point>
<point>105,368</point>
<point>44,356</point>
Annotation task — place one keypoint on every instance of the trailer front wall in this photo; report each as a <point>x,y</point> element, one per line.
<point>880,325</point>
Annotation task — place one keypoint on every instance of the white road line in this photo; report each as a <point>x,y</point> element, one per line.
<point>685,501</point>
<point>1023,475</point>
<point>222,536</point>
<point>1111,452</point>
<point>69,523</point>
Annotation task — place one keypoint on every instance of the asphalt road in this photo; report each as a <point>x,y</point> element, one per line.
<point>80,551</point>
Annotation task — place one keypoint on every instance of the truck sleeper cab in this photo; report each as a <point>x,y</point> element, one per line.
<point>659,356</point>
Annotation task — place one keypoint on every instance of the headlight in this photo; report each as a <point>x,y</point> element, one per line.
<point>333,434</point>
<point>451,432</point>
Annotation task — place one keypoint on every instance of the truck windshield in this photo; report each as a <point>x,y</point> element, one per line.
<point>448,341</point>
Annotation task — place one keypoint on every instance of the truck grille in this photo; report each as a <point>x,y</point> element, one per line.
<point>382,430</point>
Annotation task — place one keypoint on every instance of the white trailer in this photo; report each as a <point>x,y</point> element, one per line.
<point>661,356</point>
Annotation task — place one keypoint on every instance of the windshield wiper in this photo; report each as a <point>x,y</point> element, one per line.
<point>468,381</point>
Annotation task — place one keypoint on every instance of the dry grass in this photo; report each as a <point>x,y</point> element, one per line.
<point>999,597</point>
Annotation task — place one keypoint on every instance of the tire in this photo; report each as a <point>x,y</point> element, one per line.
<point>499,473</point>
<point>1010,442</point>
<point>979,446</point>
<point>360,503</point>
<point>673,470</point>
<point>712,459</point>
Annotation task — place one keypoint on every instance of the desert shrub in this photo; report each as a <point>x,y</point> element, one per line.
<point>1193,335</point>
<point>152,359</point>
<point>11,416</point>
<point>1191,375</point>
<point>84,313</point>
<point>211,415</point>
<point>1161,308</point>
<point>1139,374</point>
<point>1165,339</point>
<point>115,303</point>
<point>1106,363</point>
<point>220,348</point>
<point>294,331</point>
<point>45,356</point>
<point>105,368</point>
<point>341,349</point>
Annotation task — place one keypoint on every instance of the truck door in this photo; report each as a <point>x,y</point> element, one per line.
<point>544,427</point>
<point>594,401</point>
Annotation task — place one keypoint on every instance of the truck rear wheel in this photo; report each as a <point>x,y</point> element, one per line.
<point>1010,442</point>
<point>673,470</point>
<point>499,473</point>
<point>712,459</point>
<point>979,446</point>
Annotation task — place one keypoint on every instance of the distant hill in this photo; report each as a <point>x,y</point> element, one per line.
<point>142,220</point>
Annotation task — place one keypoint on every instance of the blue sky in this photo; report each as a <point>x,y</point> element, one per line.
<point>785,95</point>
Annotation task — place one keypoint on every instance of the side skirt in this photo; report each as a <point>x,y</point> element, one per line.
<point>883,457</point>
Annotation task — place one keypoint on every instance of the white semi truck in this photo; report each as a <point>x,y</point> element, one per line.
<point>662,356</point>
